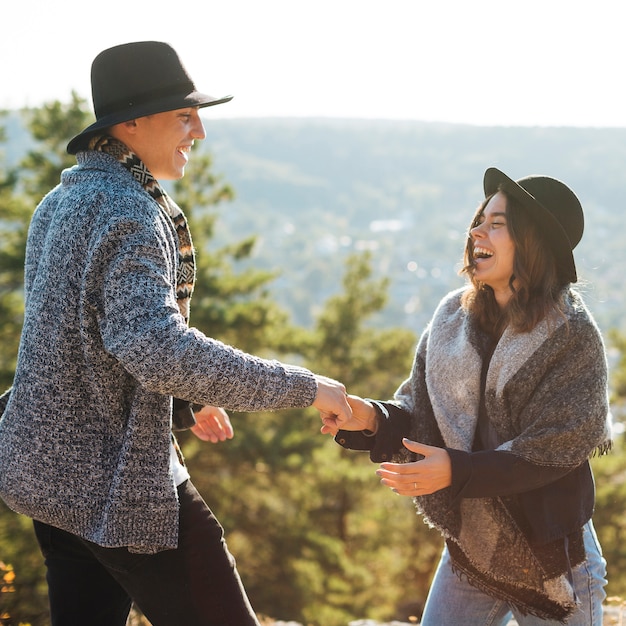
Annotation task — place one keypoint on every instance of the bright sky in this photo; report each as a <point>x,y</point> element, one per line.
<point>493,62</point>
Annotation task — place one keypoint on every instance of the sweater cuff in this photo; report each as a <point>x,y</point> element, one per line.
<point>300,387</point>
<point>383,444</point>
<point>461,463</point>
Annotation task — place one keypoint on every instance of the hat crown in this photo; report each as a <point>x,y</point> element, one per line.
<point>136,73</point>
<point>560,201</point>
<point>552,206</point>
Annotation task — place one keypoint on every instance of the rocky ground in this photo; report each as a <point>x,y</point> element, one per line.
<point>614,615</point>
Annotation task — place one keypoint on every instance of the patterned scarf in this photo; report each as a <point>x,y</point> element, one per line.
<point>186,270</point>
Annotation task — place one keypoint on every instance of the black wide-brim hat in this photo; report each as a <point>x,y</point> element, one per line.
<point>137,79</point>
<point>553,207</point>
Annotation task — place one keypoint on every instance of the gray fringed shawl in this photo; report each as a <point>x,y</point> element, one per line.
<point>546,398</point>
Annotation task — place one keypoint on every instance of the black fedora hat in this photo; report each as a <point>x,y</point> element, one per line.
<point>553,206</point>
<point>137,79</point>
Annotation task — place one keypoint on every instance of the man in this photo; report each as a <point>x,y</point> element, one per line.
<point>86,447</point>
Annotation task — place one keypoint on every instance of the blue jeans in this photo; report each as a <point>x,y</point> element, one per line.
<point>196,585</point>
<point>453,601</point>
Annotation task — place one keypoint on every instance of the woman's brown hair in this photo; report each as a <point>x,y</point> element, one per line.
<point>536,291</point>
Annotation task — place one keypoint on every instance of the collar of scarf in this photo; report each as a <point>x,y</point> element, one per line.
<point>186,269</point>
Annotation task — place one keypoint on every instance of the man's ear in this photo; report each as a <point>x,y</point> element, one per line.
<point>130,126</point>
<point>124,129</point>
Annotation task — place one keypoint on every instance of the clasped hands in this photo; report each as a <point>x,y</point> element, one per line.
<point>419,478</point>
<point>340,411</point>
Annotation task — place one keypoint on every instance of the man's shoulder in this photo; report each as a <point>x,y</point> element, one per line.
<point>98,179</point>
<point>97,169</point>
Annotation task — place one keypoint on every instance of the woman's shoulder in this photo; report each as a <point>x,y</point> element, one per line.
<point>451,302</point>
<point>576,326</point>
<point>576,309</point>
<point>449,314</point>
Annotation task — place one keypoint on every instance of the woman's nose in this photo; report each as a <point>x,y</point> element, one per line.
<point>476,232</point>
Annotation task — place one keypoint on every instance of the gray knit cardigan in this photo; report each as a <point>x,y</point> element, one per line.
<point>85,435</point>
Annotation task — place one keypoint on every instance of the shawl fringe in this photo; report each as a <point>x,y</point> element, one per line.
<point>526,601</point>
<point>603,450</point>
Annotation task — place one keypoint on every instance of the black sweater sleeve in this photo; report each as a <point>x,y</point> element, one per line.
<point>481,474</point>
<point>491,473</point>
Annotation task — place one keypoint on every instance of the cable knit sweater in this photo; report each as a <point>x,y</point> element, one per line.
<point>85,432</point>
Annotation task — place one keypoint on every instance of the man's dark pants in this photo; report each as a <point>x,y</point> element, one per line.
<point>195,585</point>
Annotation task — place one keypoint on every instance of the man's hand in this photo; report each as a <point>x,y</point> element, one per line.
<point>212,424</point>
<point>331,401</point>
<point>363,418</point>
<point>420,478</point>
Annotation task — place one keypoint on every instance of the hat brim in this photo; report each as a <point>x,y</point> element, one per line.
<point>560,244</point>
<point>194,99</point>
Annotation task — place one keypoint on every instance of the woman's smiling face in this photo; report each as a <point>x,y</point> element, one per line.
<point>493,249</point>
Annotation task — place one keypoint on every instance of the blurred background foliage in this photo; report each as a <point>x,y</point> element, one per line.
<point>317,540</point>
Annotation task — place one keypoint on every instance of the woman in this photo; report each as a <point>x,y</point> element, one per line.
<point>492,432</point>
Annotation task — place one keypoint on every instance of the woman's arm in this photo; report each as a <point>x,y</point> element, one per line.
<point>468,474</point>
<point>491,473</point>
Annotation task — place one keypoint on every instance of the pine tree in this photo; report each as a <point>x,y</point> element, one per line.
<point>14,219</point>
<point>230,303</point>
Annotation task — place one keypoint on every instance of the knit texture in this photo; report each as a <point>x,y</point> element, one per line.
<point>186,270</point>
<point>85,436</point>
<point>183,415</point>
<point>546,398</point>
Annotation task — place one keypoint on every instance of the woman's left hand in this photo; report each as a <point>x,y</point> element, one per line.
<point>212,424</point>
<point>419,478</point>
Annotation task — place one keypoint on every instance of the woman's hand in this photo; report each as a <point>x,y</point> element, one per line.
<point>212,424</point>
<point>363,417</point>
<point>420,478</point>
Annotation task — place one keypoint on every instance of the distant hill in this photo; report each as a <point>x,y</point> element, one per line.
<point>314,190</point>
